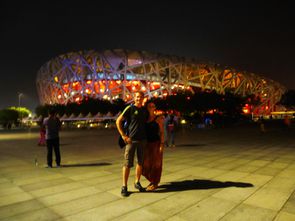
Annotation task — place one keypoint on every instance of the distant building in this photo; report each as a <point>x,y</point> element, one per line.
<point>113,74</point>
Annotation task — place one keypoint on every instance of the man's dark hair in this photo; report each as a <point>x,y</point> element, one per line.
<point>52,112</point>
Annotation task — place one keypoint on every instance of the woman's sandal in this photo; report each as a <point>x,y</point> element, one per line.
<point>151,187</point>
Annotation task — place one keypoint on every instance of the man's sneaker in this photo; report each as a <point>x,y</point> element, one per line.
<point>139,187</point>
<point>124,191</point>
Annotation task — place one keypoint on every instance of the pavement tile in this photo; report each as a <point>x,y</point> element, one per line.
<point>256,179</point>
<point>231,176</point>
<point>88,175</point>
<point>246,168</point>
<point>249,213</point>
<point>175,218</point>
<point>259,163</point>
<point>278,165</point>
<point>211,173</point>
<point>292,166</point>
<point>173,176</point>
<point>10,190</point>
<point>141,215</point>
<point>176,167</point>
<point>236,194</point>
<point>208,209</point>
<point>290,204</point>
<point>193,170</point>
<point>101,179</point>
<point>284,160</point>
<point>30,172</point>
<point>109,185</point>
<point>56,189</point>
<point>14,198</point>
<point>3,180</point>
<point>288,172</point>
<point>110,210</point>
<point>282,184</point>
<point>283,216</point>
<point>44,214</point>
<point>268,171</point>
<point>178,202</point>
<point>228,166</point>
<point>68,195</point>
<point>38,178</point>
<point>45,184</point>
<point>76,206</point>
<point>20,207</point>
<point>211,164</point>
<point>12,170</point>
<point>264,198</point>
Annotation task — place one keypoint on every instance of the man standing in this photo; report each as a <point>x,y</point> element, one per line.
<point>52,125</point>
<point>170,126</point>
<point>135,140</point>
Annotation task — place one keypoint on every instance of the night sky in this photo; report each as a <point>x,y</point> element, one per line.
<point>258,38</point>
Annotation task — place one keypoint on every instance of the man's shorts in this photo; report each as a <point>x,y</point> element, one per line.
<point>129,154</point>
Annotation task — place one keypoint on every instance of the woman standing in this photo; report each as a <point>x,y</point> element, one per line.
<point>153,155</point>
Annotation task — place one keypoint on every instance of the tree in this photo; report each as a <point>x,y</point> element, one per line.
<point>288,99</point>
<point>8,117</point>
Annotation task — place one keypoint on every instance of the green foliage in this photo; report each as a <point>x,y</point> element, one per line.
<point>8,117</point>
<point>288,99</point>
<point>22,111</point>
<point>187,103</point>
<point>42,110</point>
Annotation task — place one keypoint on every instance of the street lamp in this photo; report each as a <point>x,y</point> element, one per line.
<point>19,99</point>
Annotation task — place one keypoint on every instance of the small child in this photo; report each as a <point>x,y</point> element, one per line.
<point>42,140</point>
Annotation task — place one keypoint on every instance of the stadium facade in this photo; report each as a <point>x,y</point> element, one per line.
<point>113,74</point>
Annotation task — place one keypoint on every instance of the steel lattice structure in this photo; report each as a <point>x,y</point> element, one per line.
<point>113,74</point>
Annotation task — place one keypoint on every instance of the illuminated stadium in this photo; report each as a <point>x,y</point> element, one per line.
<point>113,74</point>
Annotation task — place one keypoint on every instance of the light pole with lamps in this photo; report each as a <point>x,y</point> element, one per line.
<point>19,99</point>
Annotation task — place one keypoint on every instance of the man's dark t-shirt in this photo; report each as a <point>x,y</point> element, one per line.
<point>137,117</point>
<point>52,125</point>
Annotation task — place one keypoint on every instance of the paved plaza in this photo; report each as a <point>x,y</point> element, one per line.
<point>232,173</point>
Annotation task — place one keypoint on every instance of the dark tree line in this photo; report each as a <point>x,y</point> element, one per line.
<point>192,106</point>
<point>288,99</point>
<point>12,116</point>
<point>195,107</point>
<point>92,106</point>
<point>8,117</point>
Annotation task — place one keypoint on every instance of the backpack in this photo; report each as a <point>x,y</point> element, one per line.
<point>125,125</point>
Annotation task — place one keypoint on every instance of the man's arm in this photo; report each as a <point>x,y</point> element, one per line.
<point>119,124</point>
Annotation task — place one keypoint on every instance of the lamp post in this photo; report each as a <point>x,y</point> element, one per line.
<point>19,102</point>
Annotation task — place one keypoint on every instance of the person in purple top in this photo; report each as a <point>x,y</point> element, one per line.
<point>52,125</point>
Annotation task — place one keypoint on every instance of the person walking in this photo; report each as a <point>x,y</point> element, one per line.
<point>153,154</point>
<point>52,125</point>
<point>135,140</point>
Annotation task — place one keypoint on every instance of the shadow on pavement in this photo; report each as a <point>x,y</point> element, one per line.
<point>199,184</point>
<point>86,164</point>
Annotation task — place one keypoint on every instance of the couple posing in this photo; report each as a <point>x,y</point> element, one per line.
<point>146,138</point>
